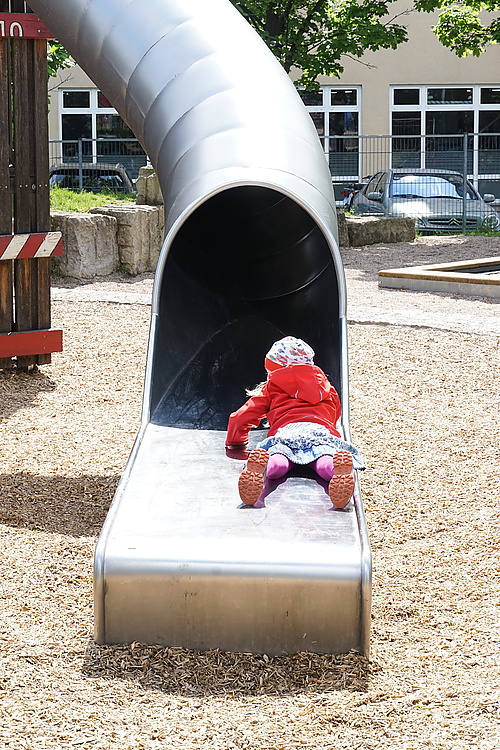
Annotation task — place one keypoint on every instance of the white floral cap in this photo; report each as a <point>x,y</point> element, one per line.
<point>291,351</point>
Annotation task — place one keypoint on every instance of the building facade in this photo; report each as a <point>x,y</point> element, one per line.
<point>419,106</point>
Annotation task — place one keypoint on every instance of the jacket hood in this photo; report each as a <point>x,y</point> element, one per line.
<point>306,382</point>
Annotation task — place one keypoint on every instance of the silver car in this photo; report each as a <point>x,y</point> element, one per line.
<point>92,178</point>
<point>433,197</point>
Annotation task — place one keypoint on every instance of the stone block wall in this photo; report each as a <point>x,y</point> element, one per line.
<point>108,237</point>
<point>370,231</point>
<point>140,231</point>
<point>90,244</point>
<point>130,236</point>
<point>148,187</point>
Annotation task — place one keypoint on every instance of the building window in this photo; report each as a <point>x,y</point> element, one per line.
<point>76,99</point>
<point>449,96</point>
<point>407,97</point>
<point>336,114</point>
<point>490,95</point>
<point>437,128</point>
<point>93,131</point>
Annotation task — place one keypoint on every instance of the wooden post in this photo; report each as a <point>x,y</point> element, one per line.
<point>6,267</point>
<point>24,199</point>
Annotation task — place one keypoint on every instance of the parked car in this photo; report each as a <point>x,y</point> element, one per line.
<point>94,178</point>
<point>347,192</point>
<point>433,197</point>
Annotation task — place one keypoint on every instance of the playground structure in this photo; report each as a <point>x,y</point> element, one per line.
<point>250,255</point>
<point>26,244</point>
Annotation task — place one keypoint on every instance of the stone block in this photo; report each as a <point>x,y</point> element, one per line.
<point>90,245</point>
<point>140,233</point>
<point>148,188</point>
<point>370,231</point>
<point>342,227</point>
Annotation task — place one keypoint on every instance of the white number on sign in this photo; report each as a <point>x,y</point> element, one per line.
<point>14,26</point>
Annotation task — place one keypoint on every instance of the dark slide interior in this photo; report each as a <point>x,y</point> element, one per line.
<point>248,267</point>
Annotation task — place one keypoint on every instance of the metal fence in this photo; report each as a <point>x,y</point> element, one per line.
<point>409,175</point>
<point>352,158</point>
<point>125,153</point>
<point>95,164</point>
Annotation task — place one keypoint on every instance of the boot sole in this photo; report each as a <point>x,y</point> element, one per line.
<point>251,481</point>
<point>341,486</point>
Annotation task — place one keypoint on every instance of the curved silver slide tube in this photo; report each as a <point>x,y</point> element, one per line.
<point>250,255</point>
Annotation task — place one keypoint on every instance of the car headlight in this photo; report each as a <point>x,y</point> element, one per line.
<point>491,222</point>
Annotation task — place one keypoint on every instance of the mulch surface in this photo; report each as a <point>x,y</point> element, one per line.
<point>424,413</point>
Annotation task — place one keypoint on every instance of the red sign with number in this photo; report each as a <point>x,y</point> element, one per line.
<point>23,25</point>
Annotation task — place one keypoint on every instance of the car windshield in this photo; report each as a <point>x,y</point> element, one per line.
<point>429,186</point>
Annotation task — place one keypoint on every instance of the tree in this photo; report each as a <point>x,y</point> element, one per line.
<point>314,35</point>
<point>463,25</point>
<point>57,58</point>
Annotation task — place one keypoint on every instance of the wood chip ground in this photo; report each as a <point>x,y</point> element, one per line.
<point>424,412</point>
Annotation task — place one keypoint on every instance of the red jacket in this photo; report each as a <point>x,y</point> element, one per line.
<point>297,393</point>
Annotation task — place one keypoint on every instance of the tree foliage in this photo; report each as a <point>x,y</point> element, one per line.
<point>57,58</point>
<point>465,26</point>
<point>314,35</point>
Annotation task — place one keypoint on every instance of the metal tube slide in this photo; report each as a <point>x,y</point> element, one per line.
<point>250,255</point>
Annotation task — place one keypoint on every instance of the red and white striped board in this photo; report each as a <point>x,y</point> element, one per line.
<point>38,245</point>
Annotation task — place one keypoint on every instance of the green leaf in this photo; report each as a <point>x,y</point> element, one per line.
<point>57,58</point>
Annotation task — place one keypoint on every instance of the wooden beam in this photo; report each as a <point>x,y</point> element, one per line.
<point>24,140</point>
<point>24,188</point>
<point>28,343</point>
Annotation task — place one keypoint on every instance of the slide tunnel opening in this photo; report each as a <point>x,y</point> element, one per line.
<point>248,266</point>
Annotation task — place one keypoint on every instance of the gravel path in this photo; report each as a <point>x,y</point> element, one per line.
<point>366,301</point>
<point>425,398</point>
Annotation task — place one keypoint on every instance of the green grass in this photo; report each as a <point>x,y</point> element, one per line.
<point>485,233</point>
<point>70,200</point>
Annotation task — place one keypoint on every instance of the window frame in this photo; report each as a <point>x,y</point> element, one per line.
<point>93,110</point>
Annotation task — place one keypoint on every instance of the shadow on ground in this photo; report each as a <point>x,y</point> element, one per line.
<point>19,390</point>
<point>75,506</point>
<point>219,673</point>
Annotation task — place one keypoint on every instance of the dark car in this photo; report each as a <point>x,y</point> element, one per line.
<point>348,191</point>
<point>433,197</point>
<point>93,178</point>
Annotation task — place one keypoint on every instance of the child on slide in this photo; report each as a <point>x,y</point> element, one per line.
<point>302,408</point>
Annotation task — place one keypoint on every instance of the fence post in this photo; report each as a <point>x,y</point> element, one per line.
<point>80,164</point>
<point>464,197</point>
